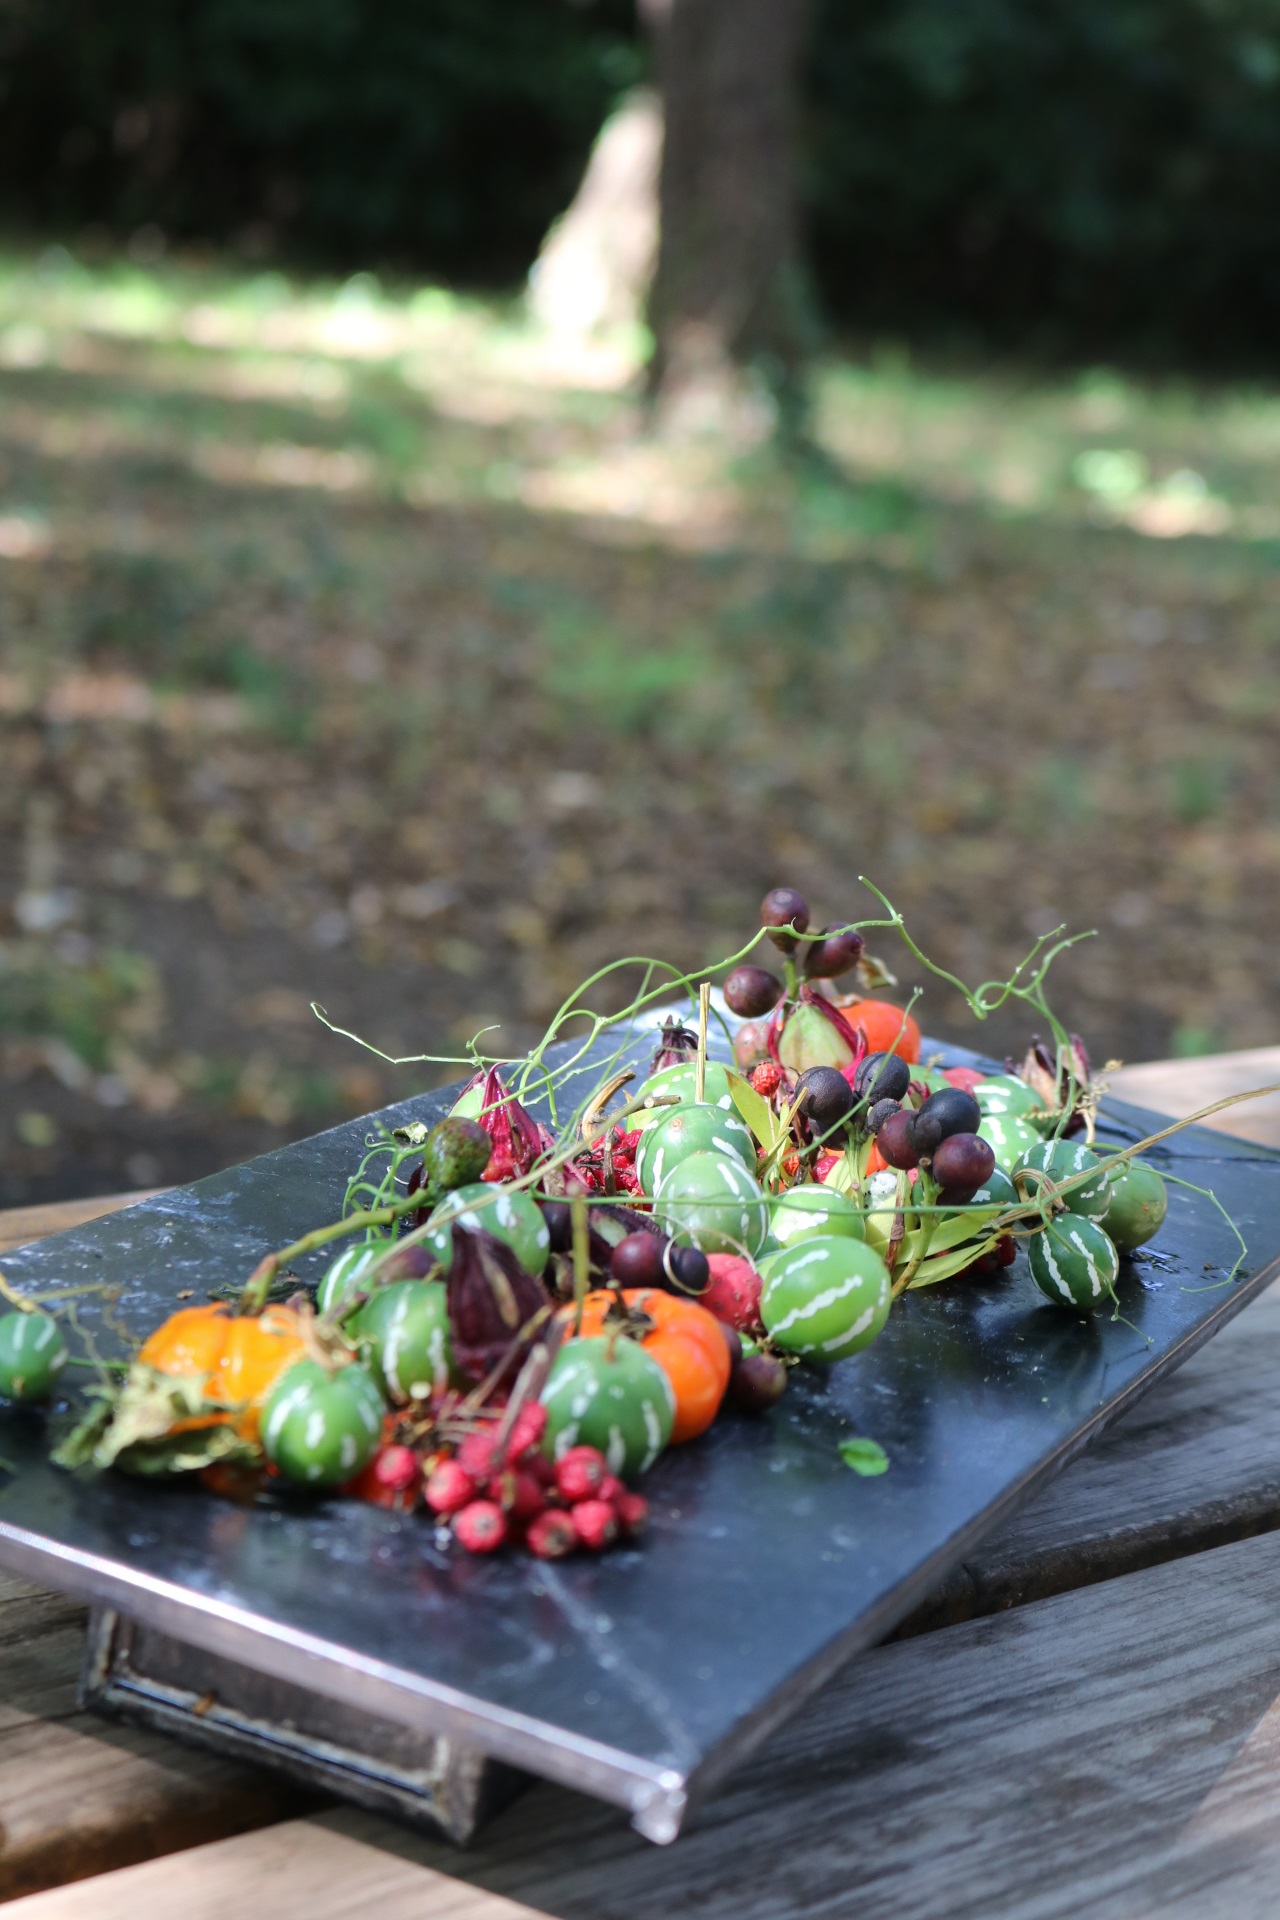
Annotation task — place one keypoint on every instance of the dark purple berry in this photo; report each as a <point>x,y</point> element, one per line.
<point>963,1161</point>
<point>637,1261</point>
<point>826,1098</point>
<point>834,953</point>
<point>883,1076</point>
<point>757,1382</point>
<point>881,1112</point>
<point>752,991</point>
<point>559,1224</point>
<point>951,1110</point>
<point>689,1267</point>
<point>783,914</point>
<point>896,1140</point>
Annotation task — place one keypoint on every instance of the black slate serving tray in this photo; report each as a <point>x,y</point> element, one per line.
<point>644,1675</point>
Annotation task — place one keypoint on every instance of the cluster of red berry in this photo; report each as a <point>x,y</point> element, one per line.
<point>490,1494</point>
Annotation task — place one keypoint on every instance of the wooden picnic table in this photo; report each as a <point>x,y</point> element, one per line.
<point>1085,1720</point>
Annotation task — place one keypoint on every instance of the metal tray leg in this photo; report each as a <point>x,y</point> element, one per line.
<point>131,1672</point>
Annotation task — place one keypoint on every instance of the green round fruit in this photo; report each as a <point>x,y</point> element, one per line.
<point>803,1213</point>
<point>681,1081</point>
<point>1009,1138</point>
<point>824,1299</point>
<point>1073,1263</point>
<point>322,1428</point>
<point>1059,1160</point>
<point>711,1199</point>
<point>997,1190</point>
<point>1004,1093</point>
<point>605,1391</point>
<point>402,1332</point>
<point>32,1355</point>
<point>456,1151</point>
<point>343,1276</point>
<point>512,1217</point>
<point>1137,1201</point>
<point>683,1131</point>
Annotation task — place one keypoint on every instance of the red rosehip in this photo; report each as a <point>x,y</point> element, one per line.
<point>396,1467</point>
<point>450,1488</point>
<point>580,1473</point>
<point>478,1456</point>
<point>551,1535</point>
<point>527,1430</point>
<point>610,1489</point>
<point>632,1510</point>
<point>595,1523</point>
<point>518,1492</point>
<point>481,1527</point>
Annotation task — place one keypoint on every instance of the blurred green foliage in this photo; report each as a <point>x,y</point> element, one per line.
<point>449,134</point>
<point>1092,175</point>
<point>1051,173</point>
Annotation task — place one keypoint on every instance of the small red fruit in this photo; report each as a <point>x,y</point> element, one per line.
<point>767,1078</point>
<point>527,1430</point>
<point>519,1493</point>
<point>595,1523</point>
<point>392,1478</point>
<point>632,1510</point>
<point>552,1535</point>
<point>481,1527</point>
<point>580,1473</point>
<point>478,1456</point>
<point>733,1292</point>
<point>610,1489</point>
<point>450,1488</point>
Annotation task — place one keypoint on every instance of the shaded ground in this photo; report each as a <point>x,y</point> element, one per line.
<point>363,648</point>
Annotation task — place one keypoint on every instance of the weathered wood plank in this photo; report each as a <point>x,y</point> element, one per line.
<point>1181,1086</point>
<point>79,1797</point>
<point>295,1870</point>
<point>20,1225</point>
<point>1106,1752</point>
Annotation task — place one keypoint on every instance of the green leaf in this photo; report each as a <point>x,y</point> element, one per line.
<point>755,1110</point>
<point>945,1266</point>
<point>952,1230</point>
<point>866,1457</point>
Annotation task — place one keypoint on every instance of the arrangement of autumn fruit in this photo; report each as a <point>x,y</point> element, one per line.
<point>518,1324</point>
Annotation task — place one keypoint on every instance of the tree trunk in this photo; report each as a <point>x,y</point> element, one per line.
<point>728,289</point>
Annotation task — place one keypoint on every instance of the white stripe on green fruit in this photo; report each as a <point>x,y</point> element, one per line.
<point>1008,1137</point>
<point>1063,1160</point>
<point>1074,1263</point>
<point>824,1299</point>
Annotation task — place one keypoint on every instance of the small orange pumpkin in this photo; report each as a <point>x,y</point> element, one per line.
<point>240,1356</point>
